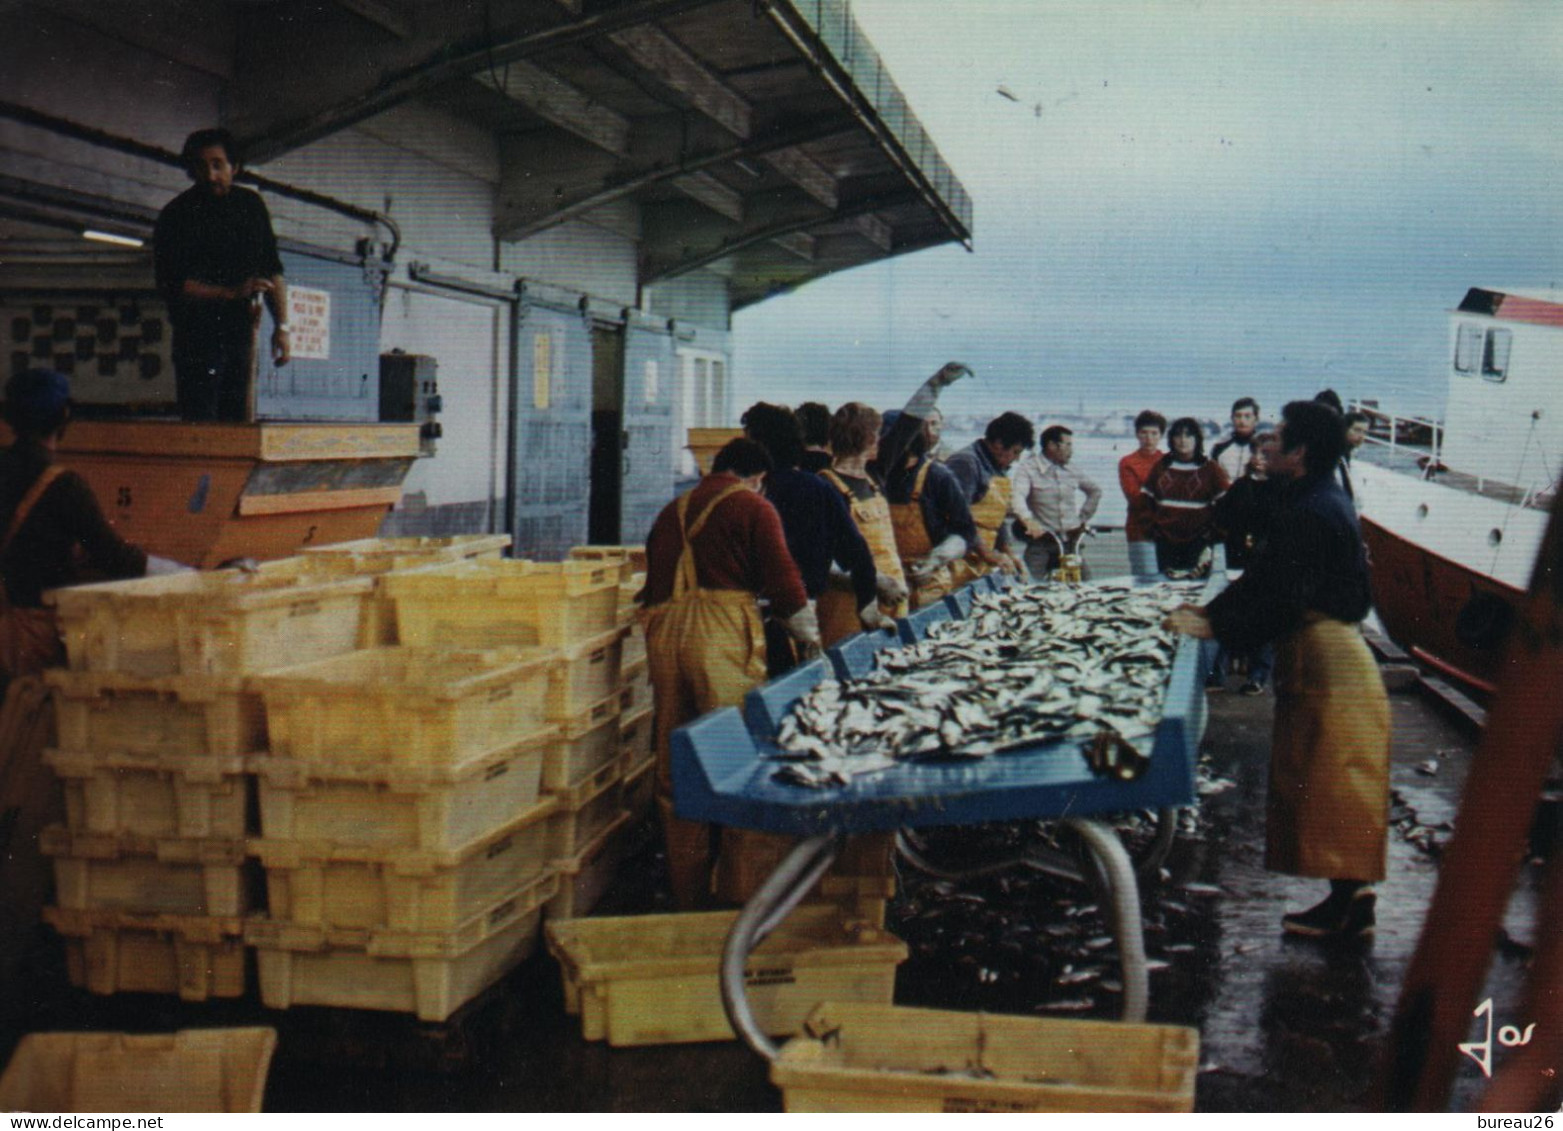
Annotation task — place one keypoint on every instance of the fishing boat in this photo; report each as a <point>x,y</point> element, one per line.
<point>1453,511</point>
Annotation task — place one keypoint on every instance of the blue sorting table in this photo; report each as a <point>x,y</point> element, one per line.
<point>723,773</point>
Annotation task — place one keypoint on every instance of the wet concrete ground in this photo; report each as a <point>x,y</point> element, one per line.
<point>1285,1024</point>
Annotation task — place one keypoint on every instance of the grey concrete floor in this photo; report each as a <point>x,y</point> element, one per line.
<point>1285,1024</point>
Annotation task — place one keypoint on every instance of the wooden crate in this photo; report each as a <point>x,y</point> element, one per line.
<point>585,810</point>
<point>146,875</point>
<point>226,622</point>
<point>193,1070</point>
<point>704,443</point>
<point>110,952</point>
<point>584,674</point>
<point>325,885</point>
<point>587,742</point>
<point>405,707</point>
<point>883,1058</point>
<point>428,974</point>
<point>193,716</point>
<point>584,879</point>
<point>386,807</point>
<point>173,796</point>
<point>653,979</point>
<point>506,603</point>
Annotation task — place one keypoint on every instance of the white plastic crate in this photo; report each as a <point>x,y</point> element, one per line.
<point>223,622</point>
<point>431,975</point>
<point>340,886</point>
<point>631,560</point>
<point>587,742</point>
<point>584,878</point>
<point>584,811</point>
<point>373,556</point>
<point>193,716</point>
<point>640,787</point>
<point>635,679</point>
<point>174,796</point>
<point>486,604</point>
<point>110,952</point>
<point>146,875</point>
<point>637,739</point>
<point>405,707</point>
<point>584,674</point>
<point>195,1070</point>
<point>386,807</point>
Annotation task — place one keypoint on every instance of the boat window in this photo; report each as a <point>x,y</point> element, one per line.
<point>1467,348</point>
<point>1495,358</point>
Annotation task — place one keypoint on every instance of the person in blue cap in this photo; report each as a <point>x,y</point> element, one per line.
<point>52,531</point>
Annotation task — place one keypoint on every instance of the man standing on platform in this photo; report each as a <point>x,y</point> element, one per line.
<point>215,257</point>
<point>1044,499</point>
<point>982,470</point>
<point>1233,453</point>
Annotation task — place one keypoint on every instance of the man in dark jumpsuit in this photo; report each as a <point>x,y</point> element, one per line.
<point>214,253</point>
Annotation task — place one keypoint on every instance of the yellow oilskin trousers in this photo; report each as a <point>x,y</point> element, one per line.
<point>1328,809</point>
<point>989,516</point>
<point>705,649</point>
<point>837,607</point>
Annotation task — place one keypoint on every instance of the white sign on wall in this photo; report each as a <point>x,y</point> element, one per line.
<point>309,314</point>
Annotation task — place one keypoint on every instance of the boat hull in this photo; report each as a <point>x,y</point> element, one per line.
<point>1447,614</point>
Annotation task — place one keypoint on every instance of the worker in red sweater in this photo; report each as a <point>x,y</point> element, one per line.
<point>711,554</point>
<point>1133,470</point>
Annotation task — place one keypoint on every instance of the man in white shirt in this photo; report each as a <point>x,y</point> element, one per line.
<point>1043,500</point>
<point>1233,453</point>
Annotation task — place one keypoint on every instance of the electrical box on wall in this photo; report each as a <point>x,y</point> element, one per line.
<point>410,391</point>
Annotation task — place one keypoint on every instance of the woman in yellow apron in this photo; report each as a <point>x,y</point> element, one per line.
<point>704,642</point>
<point>854,438</point>
<point>1306,588</point>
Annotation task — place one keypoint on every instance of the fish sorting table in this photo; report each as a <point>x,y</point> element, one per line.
<point>723,772</point>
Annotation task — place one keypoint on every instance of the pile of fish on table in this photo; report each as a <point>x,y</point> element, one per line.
<point>1028,666</point>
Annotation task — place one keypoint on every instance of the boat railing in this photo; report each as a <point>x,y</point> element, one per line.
<point>1395,432</point>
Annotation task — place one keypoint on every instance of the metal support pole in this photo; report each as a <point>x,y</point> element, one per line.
<point>1124,890</point>
<point>782,890</point>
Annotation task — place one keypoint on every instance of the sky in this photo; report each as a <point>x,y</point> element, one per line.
<point>1190,202</point>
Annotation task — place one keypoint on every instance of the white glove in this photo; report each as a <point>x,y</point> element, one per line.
<point>804,625</point>
<point>161,567</point>
<point>891,588</point>
<point>875,619</point>
<point>943,554</point>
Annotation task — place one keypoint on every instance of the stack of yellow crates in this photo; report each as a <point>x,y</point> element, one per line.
<point>155,724</point>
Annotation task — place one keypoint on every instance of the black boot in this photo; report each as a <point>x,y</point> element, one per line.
<point>1346,914</point>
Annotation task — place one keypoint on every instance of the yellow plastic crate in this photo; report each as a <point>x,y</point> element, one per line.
<point>637,738</point>
<point>110,952</point>
<point>882,1058</point>
<point>585,810</point>
<point>635,688</point>
<point>584,674</point>
<point>225,622</point>
<point>326,885</point>
<point>640,787</point>
<point>631,560</point>
<point>197,716</point>
<point>586,744</point>
<point>193,1070</point>
<point>146,875</point>
<point>174,796</point>
<point>431,975</point>
<point>405,707</point>
<point>486,604</point>
<point>653,979</point>
<point>385,555</point>
<point>386,807</point>
<point>584,879</point>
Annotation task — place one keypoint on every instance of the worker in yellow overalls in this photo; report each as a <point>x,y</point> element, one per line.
<point>710,554</point>
<point>933,525</point>
<point>982,469</point>
<point>854,440</point>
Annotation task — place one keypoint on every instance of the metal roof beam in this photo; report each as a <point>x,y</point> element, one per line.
<point>297,83</point>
